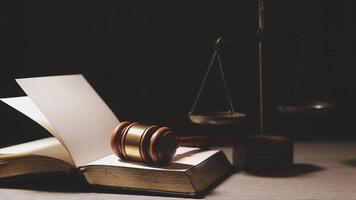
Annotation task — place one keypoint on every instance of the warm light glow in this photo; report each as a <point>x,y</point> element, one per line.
<point>318,106</point>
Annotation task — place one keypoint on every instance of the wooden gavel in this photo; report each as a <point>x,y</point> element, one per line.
<point>154,144</point>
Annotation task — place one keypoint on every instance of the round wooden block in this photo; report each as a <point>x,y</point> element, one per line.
<point>263,153</point>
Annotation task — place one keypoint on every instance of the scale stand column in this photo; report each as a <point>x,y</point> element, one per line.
<point>260,153</point>
<point>260,29</point>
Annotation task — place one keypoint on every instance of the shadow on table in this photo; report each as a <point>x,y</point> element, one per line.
<point>299,169</point>
<point>350,162</point>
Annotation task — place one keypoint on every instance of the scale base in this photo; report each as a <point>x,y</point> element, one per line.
<point>257,153</point>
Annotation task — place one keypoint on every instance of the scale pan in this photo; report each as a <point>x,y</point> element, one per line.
<point>311,108</point>
<point>217,118</point>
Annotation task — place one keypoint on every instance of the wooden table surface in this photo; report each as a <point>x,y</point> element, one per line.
<point>322,170</point>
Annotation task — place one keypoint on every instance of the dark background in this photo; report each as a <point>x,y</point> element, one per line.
<point>147,59</point>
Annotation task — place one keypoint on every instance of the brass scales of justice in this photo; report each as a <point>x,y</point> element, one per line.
<point>292,106</point>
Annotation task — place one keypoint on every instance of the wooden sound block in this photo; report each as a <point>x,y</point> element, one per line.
<point>263,153</point>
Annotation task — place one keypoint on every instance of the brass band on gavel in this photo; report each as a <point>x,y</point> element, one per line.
<point>150,144</point>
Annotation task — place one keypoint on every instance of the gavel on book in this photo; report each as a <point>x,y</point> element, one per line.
<point>157,145</point>
<point>154,144</point>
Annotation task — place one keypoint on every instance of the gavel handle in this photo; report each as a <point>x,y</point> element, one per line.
<point>207,140</point>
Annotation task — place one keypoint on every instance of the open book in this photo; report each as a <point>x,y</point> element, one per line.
<point>81,123</point>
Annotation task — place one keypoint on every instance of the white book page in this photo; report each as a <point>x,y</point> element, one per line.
<point>49,147</point>
<point>184,159</point>
<point>80,117</point>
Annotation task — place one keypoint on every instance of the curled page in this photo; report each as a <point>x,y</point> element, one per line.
<point>49,147</point>
<point>78,115</point>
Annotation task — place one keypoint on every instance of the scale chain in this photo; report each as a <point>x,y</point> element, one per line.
<point>204,81</point>
<point>227,91</point>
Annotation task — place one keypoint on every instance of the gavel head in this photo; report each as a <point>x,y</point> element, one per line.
<point>148,144</point>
